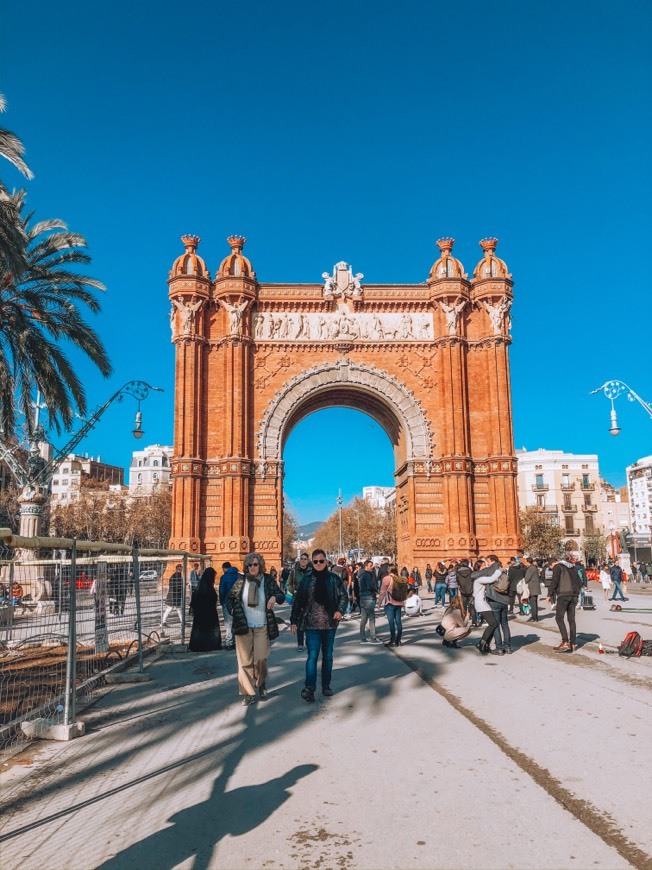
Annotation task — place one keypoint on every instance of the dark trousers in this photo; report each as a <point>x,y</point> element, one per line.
<point>492,625</point>
<point>534,606</point>
<point>566,605</point>
<point>469,605</point>
<point>503,636</point>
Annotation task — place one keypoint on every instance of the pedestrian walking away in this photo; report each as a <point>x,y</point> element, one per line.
<point>318,606</point>
<point>368,596</point>
<point>533,583</point>
<point>251,604</point>
<point>465,586</point>
<point>175,595</point>
<point>440,584</point>
<point>566,584</point>
<point>393,592</point>
<point>205,634</point>
<point>227,581</point>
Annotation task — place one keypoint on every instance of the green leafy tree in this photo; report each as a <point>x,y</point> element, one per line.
<point>372,528</point>
<point>595,547</point>
<point>12,237</point>
<point>289,531</point>
<point>541,538</point>
<point>40,310</point>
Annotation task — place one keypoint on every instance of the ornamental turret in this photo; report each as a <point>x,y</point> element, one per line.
<point>491,290</point>
<point>189,290</point>
<point>449,291</point>
<point>235,290</point>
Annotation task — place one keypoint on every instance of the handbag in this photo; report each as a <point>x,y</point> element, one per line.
<point>441,631</point>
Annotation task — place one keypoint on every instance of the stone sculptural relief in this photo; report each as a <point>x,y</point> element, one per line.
<point>342,325</point>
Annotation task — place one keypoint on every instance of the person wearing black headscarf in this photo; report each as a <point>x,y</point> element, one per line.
<point>206,634</point>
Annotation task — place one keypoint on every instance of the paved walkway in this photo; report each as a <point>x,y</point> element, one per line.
<point>424,758</point>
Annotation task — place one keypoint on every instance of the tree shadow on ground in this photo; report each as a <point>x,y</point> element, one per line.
<point>196,830</point>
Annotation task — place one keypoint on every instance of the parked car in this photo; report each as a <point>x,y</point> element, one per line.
<point>148,578</point>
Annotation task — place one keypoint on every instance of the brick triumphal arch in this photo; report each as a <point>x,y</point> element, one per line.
<point>428,361</point>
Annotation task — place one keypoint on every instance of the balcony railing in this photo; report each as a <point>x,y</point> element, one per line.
<point>572,533</point>
<point>567,487</point>
<point>587,487</point>
<point>540,487</point>
<point>590,508</point>
<point>569,508</point>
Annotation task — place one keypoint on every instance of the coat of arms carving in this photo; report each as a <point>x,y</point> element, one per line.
<point>342,282</point>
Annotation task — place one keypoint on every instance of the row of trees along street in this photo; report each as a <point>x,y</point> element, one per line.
<point>543,539</point>
<point>370,529</point>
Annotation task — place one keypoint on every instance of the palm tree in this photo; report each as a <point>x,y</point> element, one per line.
<point>39,308</point>
<point>12,238</point>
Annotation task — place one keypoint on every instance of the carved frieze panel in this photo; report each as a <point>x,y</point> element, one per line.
<point>343,324</point>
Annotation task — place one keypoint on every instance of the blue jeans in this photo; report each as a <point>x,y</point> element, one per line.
<point>440,593</point>
<point>316,640</point>
<point>393,614</point>
<point>500,612</point>
<point>618,591</point>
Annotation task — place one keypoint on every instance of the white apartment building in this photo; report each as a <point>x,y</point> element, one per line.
<point>150,469</point>
<point>565,485</point>
<point>614,508</point>
<point>67,478</point>
<point>380,497</point>
<point>639,485</point>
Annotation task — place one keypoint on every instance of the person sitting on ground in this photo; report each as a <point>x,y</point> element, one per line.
<point>413,606</point>
<point>457,622</point>
<point>206,634</point>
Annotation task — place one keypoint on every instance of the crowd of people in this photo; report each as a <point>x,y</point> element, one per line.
<point>322,594</point>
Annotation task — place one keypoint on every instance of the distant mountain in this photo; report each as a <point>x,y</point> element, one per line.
<point>307,531</point>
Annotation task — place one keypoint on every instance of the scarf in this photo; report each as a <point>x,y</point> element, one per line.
<point>254,586</point>
<point>321,591</point>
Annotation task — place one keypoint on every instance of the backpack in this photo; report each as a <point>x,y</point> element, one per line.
<point>399,589</point>
<point>631,646</point>
<point>501,585</point>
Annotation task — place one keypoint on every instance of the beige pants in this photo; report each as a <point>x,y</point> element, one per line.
<point>251,650</point>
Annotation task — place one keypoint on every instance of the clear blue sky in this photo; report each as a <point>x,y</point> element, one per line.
<point>363,132</point>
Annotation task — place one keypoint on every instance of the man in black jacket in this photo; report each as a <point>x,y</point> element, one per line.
<point>318,606</point>
<point>566,584</point>
<point>465,585</point>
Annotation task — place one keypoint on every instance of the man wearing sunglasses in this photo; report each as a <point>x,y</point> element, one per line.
<point>317,608</point>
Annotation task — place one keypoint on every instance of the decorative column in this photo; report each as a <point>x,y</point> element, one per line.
<point>450,299</point>
<point>231,438</point>
<point>492,297</point>
<point>189,292</point>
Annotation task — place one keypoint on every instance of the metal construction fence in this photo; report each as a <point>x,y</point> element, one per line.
<point>68,620</point>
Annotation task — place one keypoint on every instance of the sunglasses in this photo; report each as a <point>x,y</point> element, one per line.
<point>319,561</point>
<point>254,564</point>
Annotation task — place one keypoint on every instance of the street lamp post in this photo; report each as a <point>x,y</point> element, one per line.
<point>35,479</point>
<point>339,505</point>
<point>613,389</point>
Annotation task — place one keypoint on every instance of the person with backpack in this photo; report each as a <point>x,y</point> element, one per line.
<point>616,574</point>
<point>482,578</point>
<point>393,593</point>
<point>566,585</point>
<point>533,582</point>
<point>500,595</point>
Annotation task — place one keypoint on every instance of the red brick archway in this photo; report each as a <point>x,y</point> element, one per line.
<point>428,361</point>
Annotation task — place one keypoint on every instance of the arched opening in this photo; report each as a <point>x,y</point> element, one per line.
<point>336,448</point>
